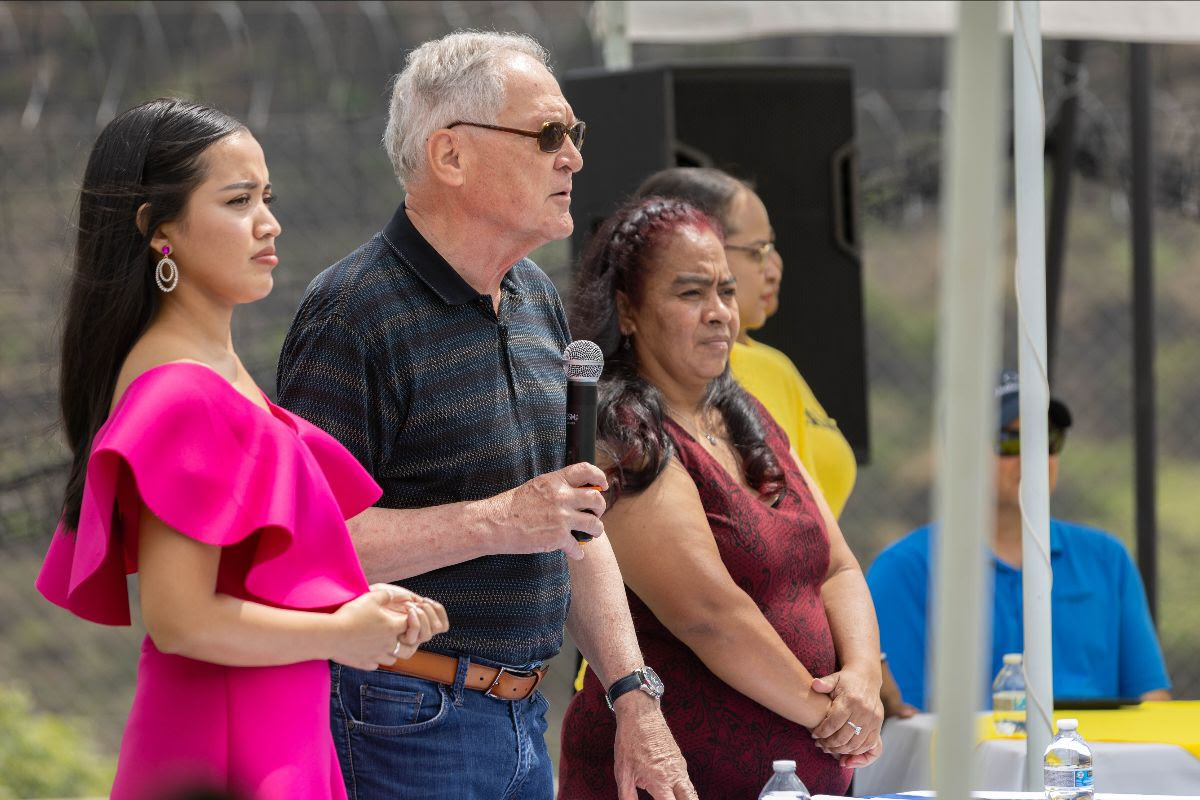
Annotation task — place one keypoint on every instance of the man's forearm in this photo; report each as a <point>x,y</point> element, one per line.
<point>535,517</point>
<point>397,543</point>
<point>645,752</point>
<point>599,621</point>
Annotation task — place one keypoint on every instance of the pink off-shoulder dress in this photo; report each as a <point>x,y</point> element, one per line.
<point>273,492</point>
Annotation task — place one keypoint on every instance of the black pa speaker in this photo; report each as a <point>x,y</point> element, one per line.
<point>789,128</point>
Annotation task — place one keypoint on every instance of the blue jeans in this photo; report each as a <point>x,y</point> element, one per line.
<point>404,738</point>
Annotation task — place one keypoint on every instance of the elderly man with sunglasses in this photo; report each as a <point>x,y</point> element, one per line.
<point>1104,644</point>
<point>434,353</point>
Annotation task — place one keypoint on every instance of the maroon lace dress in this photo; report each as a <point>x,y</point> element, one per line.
<point>779,556</point>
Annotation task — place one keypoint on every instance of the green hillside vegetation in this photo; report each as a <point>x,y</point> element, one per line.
<point>45,755</point>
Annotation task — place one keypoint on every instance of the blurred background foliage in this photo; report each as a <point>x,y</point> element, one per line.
<point>46,755</point>
<point>311,79</point>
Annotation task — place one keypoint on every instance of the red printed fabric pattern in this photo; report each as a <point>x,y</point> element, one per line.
<point>779,556</point>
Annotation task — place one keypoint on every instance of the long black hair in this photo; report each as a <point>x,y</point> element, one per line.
<point>150,155</point>
<point>630,411</point>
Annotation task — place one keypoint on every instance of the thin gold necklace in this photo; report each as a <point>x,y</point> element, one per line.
<point>679,418</point>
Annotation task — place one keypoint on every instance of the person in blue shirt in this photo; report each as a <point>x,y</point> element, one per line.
<point>1103,640</point>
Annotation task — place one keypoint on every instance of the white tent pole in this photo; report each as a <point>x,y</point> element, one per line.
<point>611,20</point>
<point>1029,135</point>
<point>966,407</point>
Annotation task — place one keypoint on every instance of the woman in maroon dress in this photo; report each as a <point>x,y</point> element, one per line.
<point>740,583</point>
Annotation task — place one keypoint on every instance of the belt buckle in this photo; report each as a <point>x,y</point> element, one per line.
<point>537,675</point>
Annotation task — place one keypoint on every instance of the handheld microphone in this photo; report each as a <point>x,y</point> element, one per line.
<point>583,362</point>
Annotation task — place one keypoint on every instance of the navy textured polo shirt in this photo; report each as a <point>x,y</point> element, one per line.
<point>442,399</point>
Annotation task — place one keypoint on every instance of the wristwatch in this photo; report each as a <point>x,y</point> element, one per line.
<point>645,679</point>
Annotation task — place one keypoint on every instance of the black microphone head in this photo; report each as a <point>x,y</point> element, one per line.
<point>583,361</point>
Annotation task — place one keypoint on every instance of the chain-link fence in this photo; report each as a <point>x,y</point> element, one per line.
<point>311,81</point>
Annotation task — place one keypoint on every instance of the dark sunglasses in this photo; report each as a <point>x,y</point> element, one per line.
<point>550,138</point>
<point>1009,443</point>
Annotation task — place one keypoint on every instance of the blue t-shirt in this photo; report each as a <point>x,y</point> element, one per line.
<point>1103,640</point>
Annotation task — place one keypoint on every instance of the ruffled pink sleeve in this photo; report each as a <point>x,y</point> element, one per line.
<point>215,467</point>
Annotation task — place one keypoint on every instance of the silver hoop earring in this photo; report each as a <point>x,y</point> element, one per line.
<point>166,273</point>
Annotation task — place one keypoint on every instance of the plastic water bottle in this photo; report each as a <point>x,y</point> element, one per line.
<point>1068,765</point>
<point>785,784</point>
<point>1008,697</point>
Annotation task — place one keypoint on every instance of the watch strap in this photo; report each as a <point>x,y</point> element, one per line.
<point>630,683</point>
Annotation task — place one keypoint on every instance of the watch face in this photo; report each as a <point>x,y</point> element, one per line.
<point>651,683</point>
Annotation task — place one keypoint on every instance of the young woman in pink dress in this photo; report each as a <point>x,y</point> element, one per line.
<point>230,510</point>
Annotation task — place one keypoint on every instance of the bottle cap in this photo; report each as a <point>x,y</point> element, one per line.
<point>1068,724</point>
<point>1013,658</point>
<point>783,765</point>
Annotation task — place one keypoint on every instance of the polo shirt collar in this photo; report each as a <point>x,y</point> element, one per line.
<point>1055,538</point>
<point>410,246</point>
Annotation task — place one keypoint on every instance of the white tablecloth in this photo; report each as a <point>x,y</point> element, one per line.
<point>906,764</point>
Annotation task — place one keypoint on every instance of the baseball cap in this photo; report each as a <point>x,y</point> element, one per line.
<point>1007,392</point>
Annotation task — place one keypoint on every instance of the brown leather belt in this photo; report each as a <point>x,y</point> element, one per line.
<point>500,683</point>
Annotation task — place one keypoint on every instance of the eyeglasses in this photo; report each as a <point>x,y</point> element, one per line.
<point>760,251</point>
<point>1009,443</point>
<point>550,138</point>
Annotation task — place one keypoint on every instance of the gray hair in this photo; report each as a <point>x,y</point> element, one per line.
<point>457,77</point>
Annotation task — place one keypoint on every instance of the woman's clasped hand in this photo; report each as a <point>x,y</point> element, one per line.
<point>851,729</point>
<point>386,623</point>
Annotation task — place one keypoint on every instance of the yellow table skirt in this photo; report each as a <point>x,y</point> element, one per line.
<point>1173,722</point>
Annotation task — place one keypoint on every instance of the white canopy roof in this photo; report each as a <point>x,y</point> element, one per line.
<point>673,22</point>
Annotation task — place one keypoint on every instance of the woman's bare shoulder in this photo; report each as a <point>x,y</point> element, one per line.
<point>153,350</point>
<point>672,492</point>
